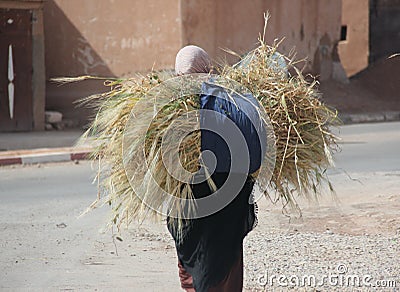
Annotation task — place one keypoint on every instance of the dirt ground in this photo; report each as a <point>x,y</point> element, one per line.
<point>376,89</point>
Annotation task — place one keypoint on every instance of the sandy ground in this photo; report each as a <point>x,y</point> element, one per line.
<point>374,90</point>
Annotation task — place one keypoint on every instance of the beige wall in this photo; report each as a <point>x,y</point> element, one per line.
<point>354,51</point>
<point>307,25</point>
<point>110,37</point>
<point>105,38</point>
<point>120,37</point>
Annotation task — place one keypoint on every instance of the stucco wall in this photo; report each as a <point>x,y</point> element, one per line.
<point>120,37</point>
<point>105,38</point>
<point>354,51</point>
<point>110,37</point>
<point>306,25</point>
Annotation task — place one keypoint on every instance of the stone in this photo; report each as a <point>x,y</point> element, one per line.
<point>53,117</point>
<point>49,127</point>
<point>392,116</point>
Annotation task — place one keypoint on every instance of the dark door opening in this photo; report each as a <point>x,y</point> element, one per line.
<point>16,112</point>
<point>384,21</point>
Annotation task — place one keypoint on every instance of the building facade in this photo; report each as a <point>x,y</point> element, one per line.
<point>112,38</point>
<point>120,37</point>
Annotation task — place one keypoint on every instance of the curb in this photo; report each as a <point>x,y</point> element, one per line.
<point>390,116</point>
<point>43,155</point>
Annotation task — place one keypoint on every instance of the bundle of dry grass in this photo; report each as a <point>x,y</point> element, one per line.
<point>300,121</point>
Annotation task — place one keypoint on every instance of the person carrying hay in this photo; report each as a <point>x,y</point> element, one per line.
<point>210,248</point>
<point>167,144</point>
<point>161,150</point>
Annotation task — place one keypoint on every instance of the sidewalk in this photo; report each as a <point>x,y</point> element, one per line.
<point>41,147</point>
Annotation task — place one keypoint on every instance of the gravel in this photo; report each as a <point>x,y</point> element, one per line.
<point>281,260</point>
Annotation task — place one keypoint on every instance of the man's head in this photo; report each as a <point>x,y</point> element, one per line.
<point>192,59</point>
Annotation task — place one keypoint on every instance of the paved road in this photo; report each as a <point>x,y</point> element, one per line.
<point>370,147</point>
<point>45,247</point>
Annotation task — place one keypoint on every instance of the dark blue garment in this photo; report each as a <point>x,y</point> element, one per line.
<point>210,246</point>
<point>245,143</point>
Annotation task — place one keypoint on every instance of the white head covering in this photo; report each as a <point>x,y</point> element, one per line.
<point>192,59</point>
